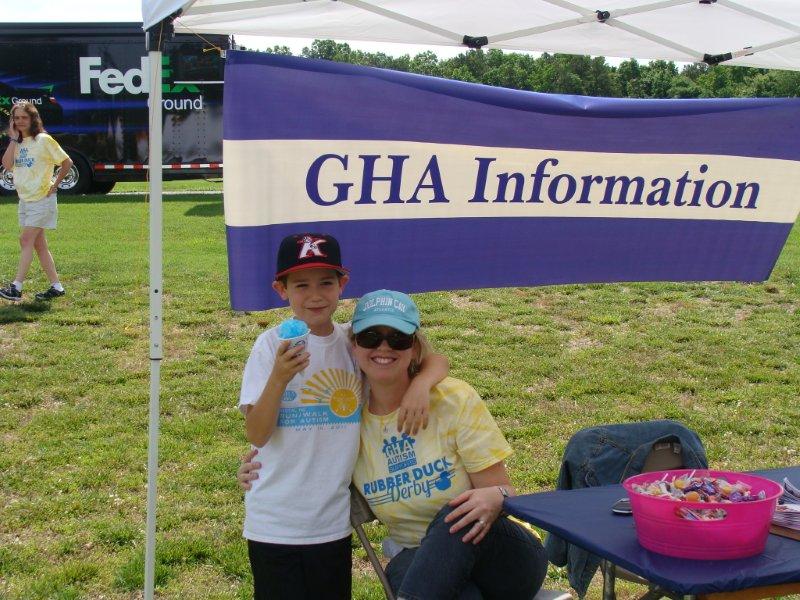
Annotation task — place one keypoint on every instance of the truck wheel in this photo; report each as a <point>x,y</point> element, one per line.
<point>79,178</point>
<point>101,187</point>
<point>7,183</point>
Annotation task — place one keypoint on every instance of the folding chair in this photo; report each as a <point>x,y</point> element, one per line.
<point>361,513</point>
<point>607,454</point>
<point>663,456</point>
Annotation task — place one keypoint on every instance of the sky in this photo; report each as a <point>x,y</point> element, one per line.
<point>61,11</point>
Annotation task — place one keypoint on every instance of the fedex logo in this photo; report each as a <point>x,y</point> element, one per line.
<point>134,81</point>
<point>113,81</point>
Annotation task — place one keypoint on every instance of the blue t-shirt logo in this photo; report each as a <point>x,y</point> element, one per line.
<point>23,160</point>
<point>399,452</point>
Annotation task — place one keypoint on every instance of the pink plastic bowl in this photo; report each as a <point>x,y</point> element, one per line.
<point>743,532</point>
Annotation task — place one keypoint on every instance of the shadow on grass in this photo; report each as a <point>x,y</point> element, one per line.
<point>206,209</point>
<point>22,311</point>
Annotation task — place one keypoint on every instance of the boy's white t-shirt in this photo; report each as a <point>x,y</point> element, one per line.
<point>302,492</point>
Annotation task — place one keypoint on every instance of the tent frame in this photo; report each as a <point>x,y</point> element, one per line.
<point>611,18</point>
<point>156,37</point>
<point>158,32</point>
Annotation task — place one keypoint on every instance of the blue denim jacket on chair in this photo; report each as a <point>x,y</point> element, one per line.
<point>605,455</point>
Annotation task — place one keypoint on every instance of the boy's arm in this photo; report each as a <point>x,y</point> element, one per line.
<point>413,411</point>
<point>261,418</point>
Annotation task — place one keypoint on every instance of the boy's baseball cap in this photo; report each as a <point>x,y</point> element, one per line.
<point>308,251</point>
<point>385,307</point>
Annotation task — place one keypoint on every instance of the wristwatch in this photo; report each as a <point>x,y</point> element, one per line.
<point>504,493</point>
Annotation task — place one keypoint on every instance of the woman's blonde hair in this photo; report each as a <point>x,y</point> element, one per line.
<point>422,348</point>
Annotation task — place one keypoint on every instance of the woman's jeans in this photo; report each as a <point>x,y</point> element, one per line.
<point>508,564</point>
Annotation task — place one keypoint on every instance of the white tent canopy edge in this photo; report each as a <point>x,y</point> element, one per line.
<point>758,33</point>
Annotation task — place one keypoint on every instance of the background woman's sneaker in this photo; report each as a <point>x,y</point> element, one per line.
<point>50,294</point>
<point>11,293</point>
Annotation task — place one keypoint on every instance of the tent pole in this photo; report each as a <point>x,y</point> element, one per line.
<point>156,350</point>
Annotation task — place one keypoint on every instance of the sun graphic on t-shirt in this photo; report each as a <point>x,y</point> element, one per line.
<point>339,389</point>
<point>344,402</point>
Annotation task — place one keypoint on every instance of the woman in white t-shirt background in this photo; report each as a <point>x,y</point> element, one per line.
<point>31,156</point>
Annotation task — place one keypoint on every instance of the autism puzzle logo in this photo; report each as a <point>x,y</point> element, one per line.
<point>399,452</point>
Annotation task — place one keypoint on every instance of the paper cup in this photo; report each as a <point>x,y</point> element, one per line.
<point>294,342</point>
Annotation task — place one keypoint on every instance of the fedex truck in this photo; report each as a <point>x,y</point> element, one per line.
<point>89,82</point>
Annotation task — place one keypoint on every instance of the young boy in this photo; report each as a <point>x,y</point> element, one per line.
<point>302,410</point>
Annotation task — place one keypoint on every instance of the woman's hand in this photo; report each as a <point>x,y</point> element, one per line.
<point>248,470</point>
<point>477,509</point>
<point>12,131</point>
<point>413,411</point>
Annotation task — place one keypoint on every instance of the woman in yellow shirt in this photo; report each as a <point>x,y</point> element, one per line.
<point>32,156</point>
<point>439,492</point>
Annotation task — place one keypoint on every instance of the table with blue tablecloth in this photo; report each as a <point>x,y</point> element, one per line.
<point>583,517</point>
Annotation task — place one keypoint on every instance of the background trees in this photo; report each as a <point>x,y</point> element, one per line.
<point>569,74</point>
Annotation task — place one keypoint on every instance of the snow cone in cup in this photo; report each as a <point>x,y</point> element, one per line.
<point>295,331</point>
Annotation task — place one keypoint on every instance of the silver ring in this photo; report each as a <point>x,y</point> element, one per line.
<point>481,522</point>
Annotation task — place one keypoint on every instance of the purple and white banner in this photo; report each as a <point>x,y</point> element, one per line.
<point>432,184</point>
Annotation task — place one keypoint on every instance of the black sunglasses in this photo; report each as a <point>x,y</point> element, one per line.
<point>397,340</point>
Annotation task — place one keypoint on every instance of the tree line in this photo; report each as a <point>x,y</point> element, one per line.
<point>571,74</point>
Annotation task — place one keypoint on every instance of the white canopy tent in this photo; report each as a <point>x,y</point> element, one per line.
<point>754,33</point>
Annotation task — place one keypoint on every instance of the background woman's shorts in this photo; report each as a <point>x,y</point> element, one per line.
<point>39,213</point>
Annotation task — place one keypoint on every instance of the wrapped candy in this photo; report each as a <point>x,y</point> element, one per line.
<point>700,489</point>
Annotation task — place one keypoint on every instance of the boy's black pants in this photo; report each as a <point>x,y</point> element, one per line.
<point>312,572</point>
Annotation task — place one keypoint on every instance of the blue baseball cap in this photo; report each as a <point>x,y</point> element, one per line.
<point>388,308</point>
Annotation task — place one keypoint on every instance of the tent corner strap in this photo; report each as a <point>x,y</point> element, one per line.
<point>475,41</point>
<point>603,15</point>
<point>715,59</point>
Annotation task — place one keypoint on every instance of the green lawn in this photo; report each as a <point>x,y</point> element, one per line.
<point>180,185</point>
<point>721,357</point>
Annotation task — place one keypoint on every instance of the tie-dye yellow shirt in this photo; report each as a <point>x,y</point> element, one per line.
<point>407,479</point>
<point>34,162</point>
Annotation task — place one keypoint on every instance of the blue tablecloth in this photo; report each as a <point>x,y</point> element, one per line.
<point>583,517</point>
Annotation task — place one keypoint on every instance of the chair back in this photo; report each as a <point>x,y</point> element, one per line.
<point>664,456</point>
<point>609,454</point>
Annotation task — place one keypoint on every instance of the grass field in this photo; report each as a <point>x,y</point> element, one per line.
<point>180,185</point>
<point>721,357</point>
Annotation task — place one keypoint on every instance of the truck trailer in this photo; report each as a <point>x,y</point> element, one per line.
<point>90,82</point>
